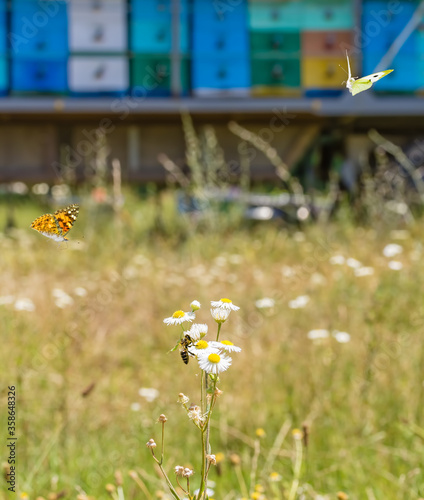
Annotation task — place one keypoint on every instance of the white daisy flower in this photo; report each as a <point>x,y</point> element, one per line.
<point>224,304</point>
<point>214,363</point>
<point>220,315</point>
<point>225,345</point>
<point>195,305</point>
<point>80,291</point>
<point>299,302</point>
<point>265,303</point>
<point>364,271</point>
<point>341,337</point>
<point>337,260</point>
<point>148,393</point>
<point>392,249</point>
<point>197,331</point>
<point>179,317</point>
<point>6,299</point>
<point>353,263</point>
<point>135,406</point>
<point>318,334</point>
<point>24,305</point>
<point>395,265</point>
<point>201,347</point>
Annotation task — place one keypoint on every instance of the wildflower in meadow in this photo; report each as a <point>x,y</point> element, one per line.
<point>213,362</point>
<point>225,345</point>
<point>148,393</point>
<point>24,305</point>
<point>151,443</point>
<point>318,334</point>
<point>224,304</point>
<point>201,347</point>
<point>220,315</point>
<point>395,265</point>
<point>179,317</point>
<point>183,399</point>
<point>265,303</point>
<point>195,305</point>
<point>341,337</point>
<point>392,249</point>
<point>197,331</point>
<point>299,302</point>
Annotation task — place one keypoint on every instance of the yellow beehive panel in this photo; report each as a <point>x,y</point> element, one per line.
<point>323,73</point>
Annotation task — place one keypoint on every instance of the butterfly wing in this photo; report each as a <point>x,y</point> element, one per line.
<point>66,217</point>
<point>366,82</point>
<point>48,226</point>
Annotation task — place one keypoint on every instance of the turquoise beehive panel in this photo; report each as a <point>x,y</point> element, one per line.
<point>155,37</point>
<point>271,16</point>
<point>4,74</point>
<point>328,15</point>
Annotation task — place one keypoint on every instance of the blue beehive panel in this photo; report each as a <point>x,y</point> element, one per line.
<point>3,30</point>
<point>38,28</point>
<point>404,78</point>
<point>220,40</point>
<point>156,10</point>
<point>39,75</point>
<point>221,73</point>
<point>382,22</point>
<point>156,36</point>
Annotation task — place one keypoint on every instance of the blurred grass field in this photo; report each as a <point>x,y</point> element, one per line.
<point>98,304</point>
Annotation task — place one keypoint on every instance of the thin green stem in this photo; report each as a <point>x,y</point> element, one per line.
<point>297,469</point>
<point>219,329</point>
<point>163,443</point>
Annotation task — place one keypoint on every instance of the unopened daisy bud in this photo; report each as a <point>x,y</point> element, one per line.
<point>151,443</point>
<point>162,418</point>
<point>297,434</point>
<point>118,478</point>
<point>133,474</point>
<point>260,432</point>
<point>195,305</point>
<point>211,459</point>
<point>188,472</point>
<point>341,495</point>
<point>235,459</point>
<point>179,470</point>
<point>220,315</point>
<point>110,488</point>
<point>183,399</point>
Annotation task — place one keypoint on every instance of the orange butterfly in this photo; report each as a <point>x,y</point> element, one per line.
<point>56,226</point>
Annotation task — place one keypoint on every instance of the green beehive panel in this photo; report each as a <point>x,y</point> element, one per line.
<point>276,71</point>
<point>281,42</point>
<point>327,15</point>
<point>153,73</point>
<point>269,16</point>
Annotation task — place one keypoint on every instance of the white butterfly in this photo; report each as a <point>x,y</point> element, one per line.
<point>359,85</point>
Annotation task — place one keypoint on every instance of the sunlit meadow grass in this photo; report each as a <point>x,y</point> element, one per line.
<point>99,302</point>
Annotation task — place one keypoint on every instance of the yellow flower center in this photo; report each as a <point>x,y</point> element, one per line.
<point>178,314</point>
<point>202,344</point>
<point>226,342</point>
<point>228,301</point>
<point>214,357</point>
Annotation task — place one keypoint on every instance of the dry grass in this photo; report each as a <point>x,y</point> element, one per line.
<point>362,400</point>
